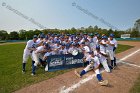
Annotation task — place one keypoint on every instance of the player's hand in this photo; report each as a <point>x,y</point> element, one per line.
<point>84,59</point>
<point>34,49</point>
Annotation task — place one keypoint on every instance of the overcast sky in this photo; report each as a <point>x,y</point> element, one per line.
<point>64,14</point>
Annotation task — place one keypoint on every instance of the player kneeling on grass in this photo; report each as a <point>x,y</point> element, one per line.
<point>37,55</point>
<point>93,64</point>
<point>49,53</point>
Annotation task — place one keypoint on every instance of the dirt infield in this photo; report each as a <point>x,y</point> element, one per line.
<point>120,80</point>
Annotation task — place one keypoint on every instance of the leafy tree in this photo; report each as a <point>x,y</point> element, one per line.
<point>134,33</point>
<point>14,35</point>
<point>3,35</point>
<point>22,34</point>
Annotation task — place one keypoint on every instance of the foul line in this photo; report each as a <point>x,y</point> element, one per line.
<point>63,90</point>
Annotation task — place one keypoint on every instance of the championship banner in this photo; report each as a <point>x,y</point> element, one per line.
<point>60,62</point>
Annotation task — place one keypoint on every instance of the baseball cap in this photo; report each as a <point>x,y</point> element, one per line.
<point>42,36</point>
<point>111,35</point>
<point>96,33</point>
<point>85,33</point>
<point>63,44</point>
<point>104,37</point>
<point>91,34</point>
<point>35,36</point>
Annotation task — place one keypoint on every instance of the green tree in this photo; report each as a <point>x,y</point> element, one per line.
<point>3,35</point>
<point>135,33</point>
<point>14,35</point>
<point>22,34</point>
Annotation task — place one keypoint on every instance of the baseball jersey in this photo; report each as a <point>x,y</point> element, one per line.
<point>102,47</point>
<point>101,57</point>
<point>86,48</point>
<point>48,54</point>
<point>63,51</point>
<point>115,42</point>
<point>109,47</point>
<point>30,44</point>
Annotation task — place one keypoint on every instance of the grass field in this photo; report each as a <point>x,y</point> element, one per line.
<point>11,77</point>
<point>136,87</point>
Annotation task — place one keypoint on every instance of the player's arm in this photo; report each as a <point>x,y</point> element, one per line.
<point>29,46</point>
<point>33,49</point>
<point>40,43</point>
<point>104,54</point>
<point>111,44</point>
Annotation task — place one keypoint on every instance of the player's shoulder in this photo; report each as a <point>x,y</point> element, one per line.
<point>103,52</point>
<point>95,58</point>
<point>30,41</point>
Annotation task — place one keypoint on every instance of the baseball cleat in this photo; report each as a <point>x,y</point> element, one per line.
<point>104,83</point>
<point>77,74</point>
<point>23,72</point>
<point>32,74</point>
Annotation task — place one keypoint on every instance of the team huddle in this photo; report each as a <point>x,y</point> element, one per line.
<point>98,50</point>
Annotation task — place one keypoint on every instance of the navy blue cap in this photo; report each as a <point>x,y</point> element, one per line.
<point>58,42</point>
<point>35,36</point>
<point>104,37</point>
<point>42,36</point>
<point>111,35</point>
<point>63,44</point>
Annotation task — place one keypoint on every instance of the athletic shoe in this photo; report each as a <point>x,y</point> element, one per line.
<point>104,83</point>
<point>77,74</point>
<point>32,74</point>
<point>23,72</point>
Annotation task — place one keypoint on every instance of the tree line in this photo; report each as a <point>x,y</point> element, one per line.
<point>25,35</point>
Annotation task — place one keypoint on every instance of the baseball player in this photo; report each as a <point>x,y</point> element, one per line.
<point>102,58</point>
<point>114,45</point>
<point>37,55</point>
<point>93,64</point>
<point>30,46</point>
<point>63,49</point>
<point>49,53</point>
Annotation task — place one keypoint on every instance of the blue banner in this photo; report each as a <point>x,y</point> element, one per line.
<point>60,62</point>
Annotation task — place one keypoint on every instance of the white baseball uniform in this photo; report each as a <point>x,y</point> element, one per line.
<point>103,60</point>
<point>27,52</point>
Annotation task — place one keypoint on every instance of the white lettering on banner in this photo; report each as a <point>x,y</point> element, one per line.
<point>70,60</point>
<point>56,62</point>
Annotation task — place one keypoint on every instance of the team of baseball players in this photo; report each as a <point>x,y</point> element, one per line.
<point>98,50</point>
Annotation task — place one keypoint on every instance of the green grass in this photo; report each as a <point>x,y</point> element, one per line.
<point>11,77</point>
<point>136,87</point>
<point>123,48</point>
